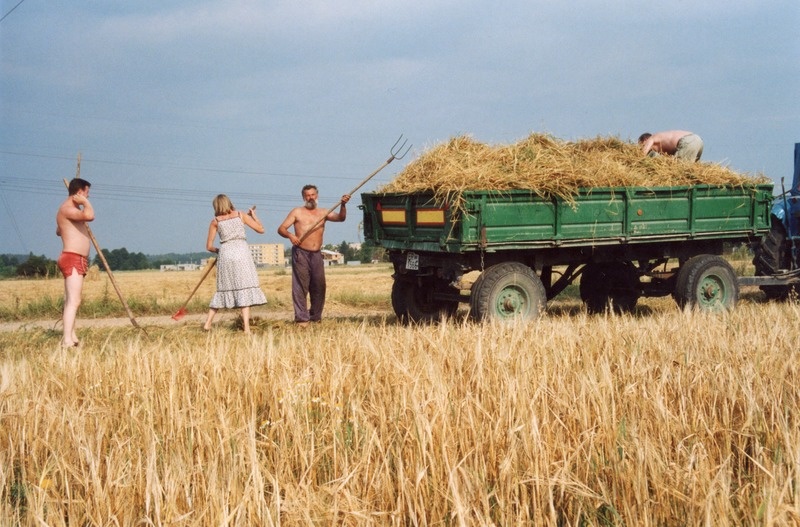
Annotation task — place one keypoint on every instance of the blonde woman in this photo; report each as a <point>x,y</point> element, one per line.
<point>237,280</point>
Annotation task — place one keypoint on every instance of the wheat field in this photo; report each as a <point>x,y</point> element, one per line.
<point>662,417</point>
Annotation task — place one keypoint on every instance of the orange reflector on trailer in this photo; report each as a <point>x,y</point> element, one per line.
<point>393,216</point>
<point>430,217</point>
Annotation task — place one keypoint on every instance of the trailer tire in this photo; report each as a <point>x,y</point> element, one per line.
<point>506,291</point>
<point>772,255</point>
<point>706,282</point>
<point>412,302</point>
<point>610,284</point>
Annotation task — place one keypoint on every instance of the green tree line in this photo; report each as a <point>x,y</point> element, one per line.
<point>367,253</point>
<point>41,266</point>
<point>123,260</point>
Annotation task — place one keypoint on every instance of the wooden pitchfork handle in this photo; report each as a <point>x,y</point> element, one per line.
<point>395,150</point>
<point>108,269</point>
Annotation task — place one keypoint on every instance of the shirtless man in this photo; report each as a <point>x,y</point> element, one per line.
<point>678,143</point>
<point>71,220</point>
<point>308,269</point>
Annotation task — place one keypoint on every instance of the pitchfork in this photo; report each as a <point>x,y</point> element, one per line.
<point>395,152</point>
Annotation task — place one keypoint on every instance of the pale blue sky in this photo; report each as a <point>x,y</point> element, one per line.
<point>170,103</point>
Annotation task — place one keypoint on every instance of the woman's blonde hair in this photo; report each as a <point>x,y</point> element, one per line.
<point>222,205</point>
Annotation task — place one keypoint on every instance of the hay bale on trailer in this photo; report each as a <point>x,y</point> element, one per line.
<point>550,167</point>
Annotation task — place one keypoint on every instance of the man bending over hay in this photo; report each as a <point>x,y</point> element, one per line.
<point>678,143</point>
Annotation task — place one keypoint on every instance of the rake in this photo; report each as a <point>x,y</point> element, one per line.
<point>182,311</point>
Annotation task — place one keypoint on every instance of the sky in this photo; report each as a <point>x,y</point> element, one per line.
<point>169,103</point>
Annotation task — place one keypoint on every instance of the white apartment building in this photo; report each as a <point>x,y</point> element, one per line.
<point>267,254</point>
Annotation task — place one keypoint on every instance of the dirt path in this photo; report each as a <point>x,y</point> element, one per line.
<point>114,322</point>
<point>223,317</point>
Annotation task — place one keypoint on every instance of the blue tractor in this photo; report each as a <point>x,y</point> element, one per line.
<point>777,255</point>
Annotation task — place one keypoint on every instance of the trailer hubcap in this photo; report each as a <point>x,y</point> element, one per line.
<point>712,291</point>
<point>511,302</point>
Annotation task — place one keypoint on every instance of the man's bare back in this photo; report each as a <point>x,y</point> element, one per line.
<point>664,142</point>
<point>678,143</point>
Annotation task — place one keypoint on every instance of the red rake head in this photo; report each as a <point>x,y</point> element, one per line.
<point>179,315</point>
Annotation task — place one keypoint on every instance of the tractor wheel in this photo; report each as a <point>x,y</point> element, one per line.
<point>771,256</point>
<point>707,282</point>
<point>506,291</point>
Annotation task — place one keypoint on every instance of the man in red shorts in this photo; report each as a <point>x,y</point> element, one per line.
<point>71,220</point>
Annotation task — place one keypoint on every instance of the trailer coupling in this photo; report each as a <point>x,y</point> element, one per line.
<point>784,279</point>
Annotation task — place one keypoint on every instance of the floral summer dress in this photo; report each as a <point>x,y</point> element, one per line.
<point>237,280</point>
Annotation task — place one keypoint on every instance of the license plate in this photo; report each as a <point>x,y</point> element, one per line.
<point>412,262</point>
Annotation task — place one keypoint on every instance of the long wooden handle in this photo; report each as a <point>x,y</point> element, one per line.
<point>363,182</point>
<point>110,274</point>
<point>205,274</point>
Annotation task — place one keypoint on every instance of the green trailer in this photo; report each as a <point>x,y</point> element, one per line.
<point>624,243</point>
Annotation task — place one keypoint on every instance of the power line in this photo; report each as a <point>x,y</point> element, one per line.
<point>182,167</point>
<point>152,195</point>
<point>13,221</point>
<point>9,11</point>
<point>146,192</point>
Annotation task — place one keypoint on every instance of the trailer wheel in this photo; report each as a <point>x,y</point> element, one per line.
<point>772,255</point>
<point>413,302</point>
<point>506,291</point>
<point>615,284</point>
<point>706,282</point>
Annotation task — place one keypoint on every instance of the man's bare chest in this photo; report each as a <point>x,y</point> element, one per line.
<point>312,217</point>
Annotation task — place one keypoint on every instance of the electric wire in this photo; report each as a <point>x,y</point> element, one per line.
<point>10,10</point>
<point>195,198</point>
<point>13,220</point>
<point>42,186</point>
<point>239,172</point>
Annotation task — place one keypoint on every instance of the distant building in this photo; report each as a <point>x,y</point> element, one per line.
<point>267,254</point>
<point>180,267</point>
<point>332,257</point>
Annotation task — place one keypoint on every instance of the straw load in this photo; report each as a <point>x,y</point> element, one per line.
<point>551,167</point>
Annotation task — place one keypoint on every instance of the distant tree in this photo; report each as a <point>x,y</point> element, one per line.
<point>8,260</point>
<point>366,254</point>
<point>8,265</point>
<point>37,266</point>
<point>139,261</point>
<point>370,252</point>
<point>348,252</point>
<point>122,260</point>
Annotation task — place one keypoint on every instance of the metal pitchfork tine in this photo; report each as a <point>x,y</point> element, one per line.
<point>395,152</point>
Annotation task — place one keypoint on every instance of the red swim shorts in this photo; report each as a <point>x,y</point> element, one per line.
<point>69,261</point>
